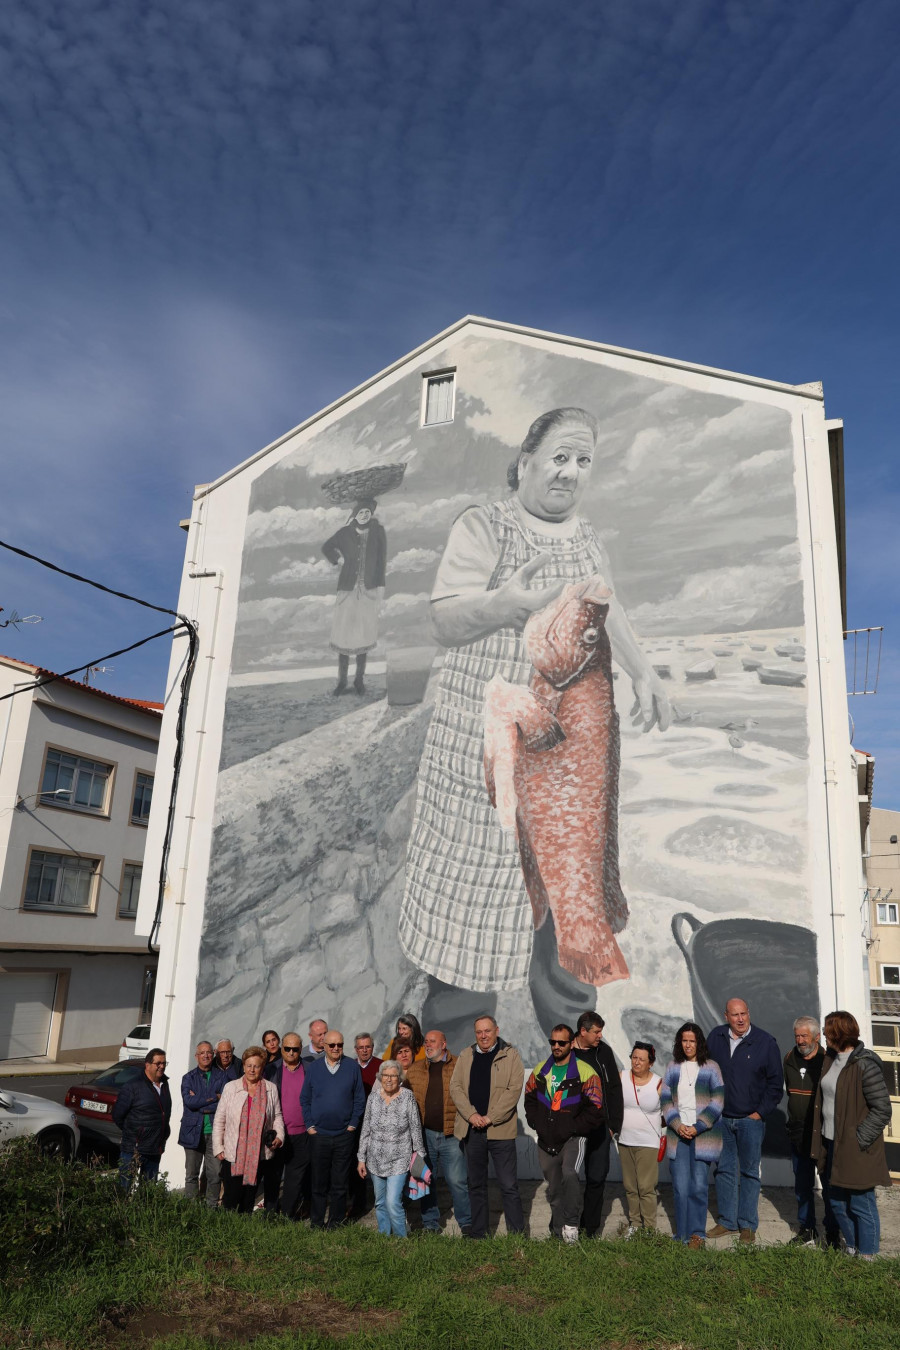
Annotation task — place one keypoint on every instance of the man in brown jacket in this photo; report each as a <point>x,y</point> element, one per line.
<point>485,1087</point>
<point>430,1082</point>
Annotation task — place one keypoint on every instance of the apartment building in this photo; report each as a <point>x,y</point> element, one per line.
<point>76,780</point>
<point>883,899</point>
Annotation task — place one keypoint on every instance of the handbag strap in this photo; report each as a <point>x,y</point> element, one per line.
<point>649,1114</point>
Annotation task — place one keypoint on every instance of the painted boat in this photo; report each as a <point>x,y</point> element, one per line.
<point>781,675</point>
<point>703,670</point>
<point>722,651</point>
<point>757,646</point>
<point>663,671</point>
<point>790,649</point>
<point>750,662</point>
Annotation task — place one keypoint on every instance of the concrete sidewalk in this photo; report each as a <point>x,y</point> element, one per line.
<point>777,1214</point>
<point>40,1067</point>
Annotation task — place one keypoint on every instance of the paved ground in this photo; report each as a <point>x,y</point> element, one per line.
<point>777,1214</point>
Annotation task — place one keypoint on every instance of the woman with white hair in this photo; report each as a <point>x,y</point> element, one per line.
<point>391,1133</point>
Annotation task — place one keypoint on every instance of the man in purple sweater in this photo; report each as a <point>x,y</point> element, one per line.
<point>290,1163</point>
<point>332,1101</point>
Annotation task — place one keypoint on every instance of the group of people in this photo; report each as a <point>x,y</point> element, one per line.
<point>310,1129</point>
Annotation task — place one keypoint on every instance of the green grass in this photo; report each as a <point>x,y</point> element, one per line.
<point>183,1278</point>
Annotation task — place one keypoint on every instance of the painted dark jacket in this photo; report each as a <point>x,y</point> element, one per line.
<point>753,1079</point>
<point>347,547</point>
<point>204,1102</point>
<point>801,1094</point>
<point>143,1114</point>
<point>577,1110</point>
<point>862,1109</point>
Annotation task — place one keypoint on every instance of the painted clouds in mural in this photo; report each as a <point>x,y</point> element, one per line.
<point>640,810</point>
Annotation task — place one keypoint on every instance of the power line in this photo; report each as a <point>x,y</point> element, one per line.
<point>65,674</point>
<point>184,624</point>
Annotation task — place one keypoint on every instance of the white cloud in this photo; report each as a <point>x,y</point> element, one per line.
<point>302,570</point>
<point>723,597</point>
<point>404,603</point>
<point>412,560</point>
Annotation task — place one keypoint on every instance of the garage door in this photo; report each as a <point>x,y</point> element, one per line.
<point>26,1008</point>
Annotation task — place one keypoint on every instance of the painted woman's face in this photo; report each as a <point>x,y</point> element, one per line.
<point>364,516</point>
<point>552,480</point>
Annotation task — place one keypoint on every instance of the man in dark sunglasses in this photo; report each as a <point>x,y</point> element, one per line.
<point>286,1171</point>
<point>333,1102</point>
<point>563,1104</point>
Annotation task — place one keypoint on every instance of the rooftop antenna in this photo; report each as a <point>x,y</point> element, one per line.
<point>95,671</point>
<point>15,619</point>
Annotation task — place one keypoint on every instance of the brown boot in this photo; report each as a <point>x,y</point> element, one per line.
<point>697,1243</point>
<point>748,1235</point>
<point>717,1231</point>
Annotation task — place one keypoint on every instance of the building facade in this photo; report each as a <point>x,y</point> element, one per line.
<point>395,797</point>
<point>883,899</point>
<point>77,767</point>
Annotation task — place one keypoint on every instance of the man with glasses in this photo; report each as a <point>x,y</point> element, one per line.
<point>227,1061</point>
<point>563,1104</point>
<point>333,1102</point>
<point>590,1046</point>
<point>286,1171</point>
<point>201,1089</point>
<point>142,1112</point>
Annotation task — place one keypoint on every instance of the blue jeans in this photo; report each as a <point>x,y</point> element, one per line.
<point>149,1167</point>
<point>737,1175</point>
<point>855,1212</point>
<point>690,1186</point>
<point>444,1149</point>
<point>389,1204</point>
<point>805,1191</point>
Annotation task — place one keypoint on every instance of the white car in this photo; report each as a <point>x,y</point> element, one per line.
<point>136,1043</point>
<point>55,1126</point>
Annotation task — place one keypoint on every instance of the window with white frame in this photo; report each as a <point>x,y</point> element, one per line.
<point>890,977</point>
<point>72,781</point>
<point>61,881</point>
<point>143,794</point>
<point>131,886</point>
<point>438,398</point>
<point>887,912</point>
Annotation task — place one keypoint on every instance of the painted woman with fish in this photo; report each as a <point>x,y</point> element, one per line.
<point>467,919</point>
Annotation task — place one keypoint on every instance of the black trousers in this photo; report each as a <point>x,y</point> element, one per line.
<point>329,1164</point>
<point>596,1170</point>
<point>235,1195</point>
<point>502,1152</point>
<point>285,1174</point>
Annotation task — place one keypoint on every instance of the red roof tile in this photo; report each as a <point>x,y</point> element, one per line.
<point>144,705</point>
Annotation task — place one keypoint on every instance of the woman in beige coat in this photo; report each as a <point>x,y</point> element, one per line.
<point>247,1128</point>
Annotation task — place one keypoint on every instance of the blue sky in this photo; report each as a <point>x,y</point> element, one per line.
<point>215,218</point>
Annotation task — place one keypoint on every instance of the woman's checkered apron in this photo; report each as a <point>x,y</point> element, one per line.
<point>466,917</point>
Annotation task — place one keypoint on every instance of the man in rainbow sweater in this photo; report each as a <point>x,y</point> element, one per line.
<point>563,1104</point>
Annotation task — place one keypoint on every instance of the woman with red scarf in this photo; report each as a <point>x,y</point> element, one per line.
<point>248,1127</point>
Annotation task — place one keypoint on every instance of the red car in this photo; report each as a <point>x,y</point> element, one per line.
<point>93,1101</point>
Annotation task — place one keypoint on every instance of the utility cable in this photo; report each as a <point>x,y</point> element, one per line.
<point>184,624</point>
<point>65,674</point>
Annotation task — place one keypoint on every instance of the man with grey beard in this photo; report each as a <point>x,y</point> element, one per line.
<point>802,1071</point>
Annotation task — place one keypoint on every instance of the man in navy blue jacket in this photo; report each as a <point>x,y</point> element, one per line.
<point>201,1089</point>
<point>142,1112</point>
<point>751,1067</point>
<point>332,1101</point>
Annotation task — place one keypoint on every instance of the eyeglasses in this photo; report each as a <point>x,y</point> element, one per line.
<point>552,1042</point>
<point>290,1049</point>
<point>334,1045</point>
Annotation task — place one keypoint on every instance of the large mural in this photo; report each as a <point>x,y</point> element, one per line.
<point>517,714</point>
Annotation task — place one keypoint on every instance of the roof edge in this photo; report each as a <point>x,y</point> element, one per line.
<point>811,390</point>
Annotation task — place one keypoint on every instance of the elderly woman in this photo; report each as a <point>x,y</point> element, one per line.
<point>391,1133</point>
<point>466,918</point>
<point>640,1137</point>
<point>692,1098</point>
<point>360,549</point>
<point>247,1128</point>
<point>407,1032</point>
<point>851,1110</point>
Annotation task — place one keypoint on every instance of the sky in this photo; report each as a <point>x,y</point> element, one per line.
<point>215,218</point>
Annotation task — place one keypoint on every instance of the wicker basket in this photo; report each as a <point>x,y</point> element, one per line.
<point>344,489</point>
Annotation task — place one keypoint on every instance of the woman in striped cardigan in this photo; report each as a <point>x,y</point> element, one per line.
<point>692,1098</point>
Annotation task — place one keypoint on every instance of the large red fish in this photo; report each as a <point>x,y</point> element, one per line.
<point>551,760</point>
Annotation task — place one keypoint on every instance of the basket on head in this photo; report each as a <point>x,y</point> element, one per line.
<point>344,489</point>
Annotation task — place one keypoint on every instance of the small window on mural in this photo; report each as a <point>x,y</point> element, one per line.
<point>438,398</point>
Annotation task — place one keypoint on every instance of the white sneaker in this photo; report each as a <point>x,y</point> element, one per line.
<point>569,1234</point>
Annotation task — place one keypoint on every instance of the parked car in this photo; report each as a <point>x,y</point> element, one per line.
<point>136,1043</point>
<point>54,1126</point>
<point>93,1100</point>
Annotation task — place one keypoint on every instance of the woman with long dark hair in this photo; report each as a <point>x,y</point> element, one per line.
<point>851,1110</point>
<point>407,1032</point>
<point>692,1099</point>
